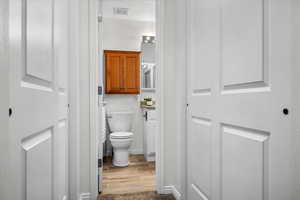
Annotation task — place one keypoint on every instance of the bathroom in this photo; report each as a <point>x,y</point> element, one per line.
<point>127,97</point>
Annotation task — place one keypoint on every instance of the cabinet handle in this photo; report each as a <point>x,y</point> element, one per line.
<point>146,115</point>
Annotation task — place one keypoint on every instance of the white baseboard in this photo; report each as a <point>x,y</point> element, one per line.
<point>167,190</point>
<point>136,151</point>
<point>85,196</point>
<point>172,190</point>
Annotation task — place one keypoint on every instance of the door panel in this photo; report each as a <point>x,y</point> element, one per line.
<point>38,26</point>
<point>203,52</point>
<point>114,83</point>
<point>244,163</point>
<point>242,41</point>
<point>61,173</point>
<point>38,165</point>
<point>200,153</point>
<point>39,90</point>
<point>240,51</point>
<point>130,72</point>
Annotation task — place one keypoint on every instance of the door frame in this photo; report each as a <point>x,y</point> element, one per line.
<point>74,146</point>
<point>74,114</point>
<point>74,100</point>
<point>159,90</point>
<point>94,120</point>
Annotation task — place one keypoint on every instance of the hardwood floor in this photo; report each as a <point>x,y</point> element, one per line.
<point>138,177</point>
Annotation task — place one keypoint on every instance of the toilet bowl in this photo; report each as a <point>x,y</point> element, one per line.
<point>121,142</point>
<point>121,136</point>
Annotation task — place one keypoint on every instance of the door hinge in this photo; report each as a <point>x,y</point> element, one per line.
<point>99,90</point>
<point>100,19</point>
<point>100,163</point>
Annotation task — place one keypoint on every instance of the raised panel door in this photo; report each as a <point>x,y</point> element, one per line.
<point>238,84</point>
<point>39,99</point>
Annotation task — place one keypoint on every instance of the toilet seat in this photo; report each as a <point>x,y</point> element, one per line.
<point>121,135</point>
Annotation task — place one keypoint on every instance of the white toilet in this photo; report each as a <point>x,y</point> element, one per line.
<point>120,124</point>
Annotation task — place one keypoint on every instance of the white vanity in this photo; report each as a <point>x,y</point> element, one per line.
<point>150,133</point>
<point>148,83</point>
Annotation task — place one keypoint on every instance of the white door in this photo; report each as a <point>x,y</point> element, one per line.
<point>238,86</point>
<point>39,99</point>
<point>4,101</point>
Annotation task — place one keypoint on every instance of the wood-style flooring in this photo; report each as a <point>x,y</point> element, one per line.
<point>138,177</point>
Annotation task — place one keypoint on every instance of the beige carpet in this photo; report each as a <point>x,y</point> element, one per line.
<point>137,196</point>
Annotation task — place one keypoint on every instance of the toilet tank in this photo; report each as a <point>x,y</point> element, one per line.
<point>120,121</point>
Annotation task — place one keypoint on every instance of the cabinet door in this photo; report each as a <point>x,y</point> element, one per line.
<point>114,72</point>
<point>132,73</point>
<point>151,128</point>
<point>122,72</point>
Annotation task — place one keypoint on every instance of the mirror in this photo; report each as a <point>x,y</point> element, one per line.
<point>148,75</point>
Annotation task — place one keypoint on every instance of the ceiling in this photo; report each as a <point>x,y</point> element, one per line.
<point>140,10</point>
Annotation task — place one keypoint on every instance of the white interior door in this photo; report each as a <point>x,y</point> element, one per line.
<point>4,101</point>
<point>238,86</point>
<point>39,99</point>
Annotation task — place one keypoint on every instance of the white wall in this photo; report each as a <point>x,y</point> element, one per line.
<point>295,7</point>
<point>174,94</point>
<point>83,176</point>
<point>84,101</point>
<point>125,34</point>
<point>119,34</point>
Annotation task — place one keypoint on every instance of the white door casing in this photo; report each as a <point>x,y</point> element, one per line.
<point>39,98</point>
<point>238,86</point>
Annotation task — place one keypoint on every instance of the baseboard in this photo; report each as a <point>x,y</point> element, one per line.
<point>172,190</point>
<point>85,196</point>
<point>167,190</point>
<point>136,151</point>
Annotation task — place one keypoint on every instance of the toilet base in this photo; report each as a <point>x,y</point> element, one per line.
<point>121,151</point>
<point>121,158</point>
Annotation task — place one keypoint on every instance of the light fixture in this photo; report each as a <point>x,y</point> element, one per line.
<point>149,39</point>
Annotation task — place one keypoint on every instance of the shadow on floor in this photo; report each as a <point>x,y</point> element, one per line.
<point>137,196</point>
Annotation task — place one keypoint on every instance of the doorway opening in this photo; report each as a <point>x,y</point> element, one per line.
<point>129,144</point>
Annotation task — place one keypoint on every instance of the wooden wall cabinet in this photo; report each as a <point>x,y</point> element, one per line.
<point>122,72</point>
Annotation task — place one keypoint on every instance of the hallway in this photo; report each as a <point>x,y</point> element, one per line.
<point>224,82</point>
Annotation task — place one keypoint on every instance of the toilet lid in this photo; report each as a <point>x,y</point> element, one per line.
<point>121,135</point>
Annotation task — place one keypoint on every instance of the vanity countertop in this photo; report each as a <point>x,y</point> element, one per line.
<point>148,107</point>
